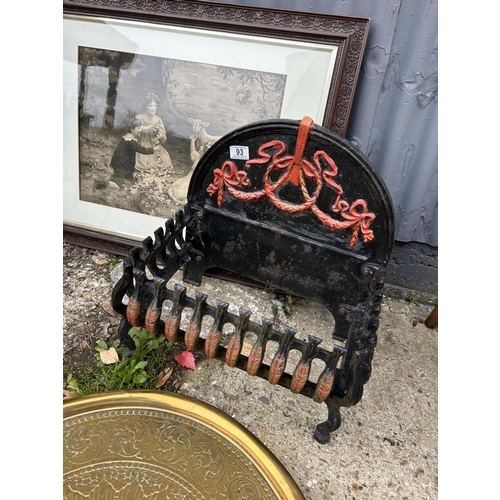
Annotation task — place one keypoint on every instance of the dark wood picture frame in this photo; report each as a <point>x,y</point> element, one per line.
<point>348,35</point>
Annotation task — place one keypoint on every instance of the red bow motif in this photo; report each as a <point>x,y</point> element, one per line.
<point>296,169</point>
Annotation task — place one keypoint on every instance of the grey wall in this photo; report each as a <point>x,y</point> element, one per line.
<point>394,122</point>
<point>394,114</point>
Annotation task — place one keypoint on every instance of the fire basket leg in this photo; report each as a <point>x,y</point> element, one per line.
<point>323,430</point>
<point>126,340</point>
<point>342,327</point>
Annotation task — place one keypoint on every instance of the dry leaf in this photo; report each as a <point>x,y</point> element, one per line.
<point>164,376</point>
<point>108,307</point>
<point>186,359</point>
<point>68,394</point>
<point>109,356</point>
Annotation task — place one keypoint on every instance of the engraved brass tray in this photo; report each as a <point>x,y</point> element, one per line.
<point>157,445</point>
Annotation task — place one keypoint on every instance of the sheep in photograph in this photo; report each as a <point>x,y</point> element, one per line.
<point>178,190</point>
<point>205,140</point>
<point>245,90</point>
<point>241,99</point>
<point>187,89</point>
<point>225,87</point>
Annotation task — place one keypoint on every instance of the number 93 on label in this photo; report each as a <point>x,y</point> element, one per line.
<point>238,153</point>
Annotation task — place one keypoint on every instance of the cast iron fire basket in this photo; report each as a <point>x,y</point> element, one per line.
<point>295,207</point>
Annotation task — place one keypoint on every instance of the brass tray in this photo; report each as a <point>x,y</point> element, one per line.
<point>157,445</point>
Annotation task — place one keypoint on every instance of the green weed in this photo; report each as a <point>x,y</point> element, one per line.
<point>413,300</point>
<point>276,310</point>
<point>287,305</point>
<point>139,371</point>
<point>114,265</point>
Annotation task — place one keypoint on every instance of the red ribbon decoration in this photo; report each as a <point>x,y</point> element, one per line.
<point>296,168</point>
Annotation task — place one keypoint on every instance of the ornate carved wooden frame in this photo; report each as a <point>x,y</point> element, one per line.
<point>348,34</point>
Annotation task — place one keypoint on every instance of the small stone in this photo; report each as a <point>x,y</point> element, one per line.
<point>99,260</point>
<point>264,400</point>
<point>246,348</point>
<point>116,273</point>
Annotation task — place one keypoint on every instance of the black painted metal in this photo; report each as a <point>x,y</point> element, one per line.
<point>293,252</point>
<point>270,240</point>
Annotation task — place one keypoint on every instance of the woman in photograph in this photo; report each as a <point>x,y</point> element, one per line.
<point>152,134</point>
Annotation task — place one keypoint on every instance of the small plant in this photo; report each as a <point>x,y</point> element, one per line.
<point>276,310</point>
<point>72,384</point>
<point>113,265</point>
<point>287,305</point>
<point>282,305</point>
<point>114,372</point>
<point>413,300</point>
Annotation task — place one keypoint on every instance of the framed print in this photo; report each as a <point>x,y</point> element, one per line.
<point>147,92</point>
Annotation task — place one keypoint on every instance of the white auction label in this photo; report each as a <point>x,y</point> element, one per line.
<point>238,153</point>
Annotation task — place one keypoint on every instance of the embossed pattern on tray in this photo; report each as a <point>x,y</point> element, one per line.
<point>152,445</point>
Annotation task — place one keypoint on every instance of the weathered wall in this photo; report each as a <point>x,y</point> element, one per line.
<point>394,119</point>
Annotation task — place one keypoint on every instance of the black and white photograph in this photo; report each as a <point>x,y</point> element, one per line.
<point>144,99</point>
<point>145,121</point>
